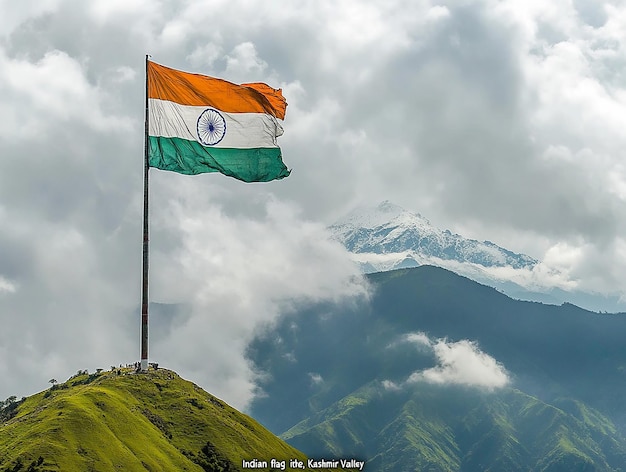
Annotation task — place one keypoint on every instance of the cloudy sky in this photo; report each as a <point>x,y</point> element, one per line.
<point>500,120</point>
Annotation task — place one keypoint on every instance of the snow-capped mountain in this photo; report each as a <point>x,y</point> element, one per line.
<point>394,237</point>
<point>388,237</point>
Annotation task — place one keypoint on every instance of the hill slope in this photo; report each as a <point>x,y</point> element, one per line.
<point>152,421</point>
<point>436,428</point>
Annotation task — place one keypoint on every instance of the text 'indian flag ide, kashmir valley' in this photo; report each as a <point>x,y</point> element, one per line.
<point>199,124</point>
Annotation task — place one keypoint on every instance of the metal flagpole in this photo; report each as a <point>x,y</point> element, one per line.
<point>144,288</point>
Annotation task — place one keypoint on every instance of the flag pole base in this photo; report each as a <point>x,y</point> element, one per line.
<point>144,365</point>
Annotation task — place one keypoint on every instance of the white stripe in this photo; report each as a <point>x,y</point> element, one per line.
<point>243,130</point>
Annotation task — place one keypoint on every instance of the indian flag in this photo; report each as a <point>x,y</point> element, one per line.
<point>199,124</point>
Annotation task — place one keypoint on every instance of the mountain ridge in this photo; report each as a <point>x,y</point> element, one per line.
<point>389,229</point>
<point>388,237</point>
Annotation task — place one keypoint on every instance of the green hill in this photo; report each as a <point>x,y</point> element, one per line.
<point>128,421</point>
<point>435,428</point>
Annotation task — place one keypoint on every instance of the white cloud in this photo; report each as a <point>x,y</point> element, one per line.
<point>14,13</point>
<point>316,378</point>
<point>458,363</point>
<point>391,386</point>
<point>244,62</point>
<point>437,12</point>
<point>51,91</point>
<point>111,10</point>
<point>205,55</point>
<point>463,363</point>
<point>290,357</point>
<point>238,273</point>
<point>421,339</point>
<point>6,286</point>
<point>125,74</point>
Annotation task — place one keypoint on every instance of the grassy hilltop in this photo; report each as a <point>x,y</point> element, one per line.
<point>153,421</point>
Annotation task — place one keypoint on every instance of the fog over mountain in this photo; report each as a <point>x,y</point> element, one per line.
<point>387,237</point>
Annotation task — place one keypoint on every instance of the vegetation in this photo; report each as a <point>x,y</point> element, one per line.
<point>8,408</point>
<point>439,428</point>
<point>152,421</point>
<point>567,367</point>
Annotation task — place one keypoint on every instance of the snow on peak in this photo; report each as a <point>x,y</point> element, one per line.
<point>386,237</point>
<point>390,229</point>
<point>371,217</point>
<point>389,208</point>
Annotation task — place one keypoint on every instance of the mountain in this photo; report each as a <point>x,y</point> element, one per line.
<point>121,420</point>
<point>388,237</point>
<point>404,236</point>
<point>449,429</point>
<point>437,366</point>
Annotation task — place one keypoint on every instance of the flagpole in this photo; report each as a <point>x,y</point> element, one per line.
<point>144,288</point>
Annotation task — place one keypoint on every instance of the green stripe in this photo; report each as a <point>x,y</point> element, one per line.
<point>191,157</point>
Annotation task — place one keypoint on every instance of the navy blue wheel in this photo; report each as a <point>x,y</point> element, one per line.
<point>211,127</point>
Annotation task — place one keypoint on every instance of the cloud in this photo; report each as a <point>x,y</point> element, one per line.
<point>243,62</point>
<point>204,55</point>
<point>316,378</point>
<point>420,339</point>
<point>391,386</point>
<point>112,10</point>
<point>457,363</point>
<point>463,363</point>
<point>238,273</point>
<point>51,91</point>
<point>7,286</point>
<point>14,14</point>
<point>499,120</point>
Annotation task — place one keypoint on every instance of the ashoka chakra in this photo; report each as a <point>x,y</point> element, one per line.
<point>211,127</point>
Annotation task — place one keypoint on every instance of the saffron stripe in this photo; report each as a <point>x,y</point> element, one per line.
<point>200,90</point>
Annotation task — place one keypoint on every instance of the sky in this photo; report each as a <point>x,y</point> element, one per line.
<point>499,120</point>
